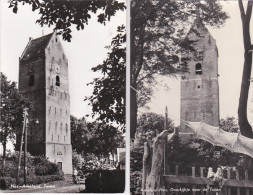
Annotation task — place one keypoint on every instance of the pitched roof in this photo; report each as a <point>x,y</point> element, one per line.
<point>36,47</point>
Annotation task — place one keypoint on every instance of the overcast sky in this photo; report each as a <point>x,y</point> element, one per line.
<point>86,50</point>
<point>230,45</point>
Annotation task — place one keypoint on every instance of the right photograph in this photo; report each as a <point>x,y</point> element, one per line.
<point>191,97</point>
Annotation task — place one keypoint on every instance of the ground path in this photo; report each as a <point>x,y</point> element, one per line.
<point>52,187</point>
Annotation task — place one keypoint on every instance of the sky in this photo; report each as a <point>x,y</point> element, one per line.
<point>86,49</point>
<point>230,64</point>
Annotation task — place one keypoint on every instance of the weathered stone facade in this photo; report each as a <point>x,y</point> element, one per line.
<point>43,78</point>
<point>199,87</point>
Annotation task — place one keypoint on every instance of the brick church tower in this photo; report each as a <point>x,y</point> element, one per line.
<point>199,86</point>
<point>43,79</point>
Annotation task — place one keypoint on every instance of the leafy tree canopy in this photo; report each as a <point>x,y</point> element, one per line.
<point>63,14</point>
<point>149,126</point>
<point>95,138</point>
<point>108,98</point>
<point>12,107</point>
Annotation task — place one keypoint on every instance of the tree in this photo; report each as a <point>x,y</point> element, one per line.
<point>105,139</point>
<point>64,14</point>
<point>12,107</point>
<point>149,125</point>
<point>245,127</point>
<point>99,139</point>
<point>108,98</point>
<point>157,31</point>
<point>79,135</point>
<point>230,124</point>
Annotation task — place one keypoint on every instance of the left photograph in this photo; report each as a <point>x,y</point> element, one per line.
<point>63,78</point>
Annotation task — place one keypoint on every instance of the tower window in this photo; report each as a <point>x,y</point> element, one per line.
<point>66,128</point>
<point>198,69</point>
<point>31,80</point>
<point>55,39</point>
<point>57,81</point>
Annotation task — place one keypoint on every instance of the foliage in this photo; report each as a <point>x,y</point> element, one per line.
<point>63,14</point>
<point>79,135</point>
<point>105,139</point>
<point>95,138</point>
<point>92,162</point>
<point>12,107</point>
<point>77,160</point>
<point>136,169</point>
<point>108,98</point>
<point>158,29</point>
<point>39,170</point>
<point>149,126</point>
<point>230,124</point>
<point>44,167</point>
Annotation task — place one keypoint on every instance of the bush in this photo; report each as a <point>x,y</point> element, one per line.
<point>136,169</point>
<point>44,167</point>
<point>40,170</point>
<point>5,182</point>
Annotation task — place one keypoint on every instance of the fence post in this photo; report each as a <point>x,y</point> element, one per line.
<point>237,177</point>
<point>228,177</point>
<point>202,175</point>
<point>176,173</point>
<point>176,170</point>
<point>193,175</point>
<point>246,179</point>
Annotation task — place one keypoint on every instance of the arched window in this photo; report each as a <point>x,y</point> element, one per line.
<point>57,81</point>
<point>198,68</point>
<point>31,80</point>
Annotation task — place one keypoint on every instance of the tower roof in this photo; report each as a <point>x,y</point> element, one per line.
<point>35,47</point>
<point>198,29</point>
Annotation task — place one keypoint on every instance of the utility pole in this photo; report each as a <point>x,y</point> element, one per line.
<point>21,144</point>
<point>25,149</point>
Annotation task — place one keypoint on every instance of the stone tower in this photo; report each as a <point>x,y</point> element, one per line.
<point>199,86</point>
<point>43,79</point>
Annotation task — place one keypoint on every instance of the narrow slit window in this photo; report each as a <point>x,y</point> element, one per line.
<point>198,69</point>
<point>57,81</point>
<point>31,80</point>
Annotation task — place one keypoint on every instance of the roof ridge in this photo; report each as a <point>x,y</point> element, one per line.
<point>43,36</point>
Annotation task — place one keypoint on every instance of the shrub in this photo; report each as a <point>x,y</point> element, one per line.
<point>40,170</point>
<point>5,182</point>
<point>43,166</point>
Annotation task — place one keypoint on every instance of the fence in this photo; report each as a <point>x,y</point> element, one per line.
<point>231,184</point>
